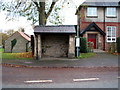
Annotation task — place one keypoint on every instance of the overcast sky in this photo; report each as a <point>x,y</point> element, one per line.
<point>68,12</point>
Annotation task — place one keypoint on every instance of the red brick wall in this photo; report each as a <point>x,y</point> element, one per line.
<point>101,25</point>
<point>118,30</point>
<point>84,24</point>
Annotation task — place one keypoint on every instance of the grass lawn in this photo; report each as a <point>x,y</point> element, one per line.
<point>26,55</point>
<point>1,50</point>
<point>15,56</point>
<point>86,55</point>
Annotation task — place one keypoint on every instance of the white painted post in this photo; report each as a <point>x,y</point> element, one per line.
<point>78,45</point>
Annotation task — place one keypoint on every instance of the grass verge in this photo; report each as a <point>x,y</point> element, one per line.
<point>86,55</point>
<point>25,55</point>
<point>1,50</point>
<point>16,56</point>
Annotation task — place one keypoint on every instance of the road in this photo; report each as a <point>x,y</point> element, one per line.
<point>14,77</point>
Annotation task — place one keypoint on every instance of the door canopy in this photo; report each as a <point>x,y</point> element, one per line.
<point>93,27</point>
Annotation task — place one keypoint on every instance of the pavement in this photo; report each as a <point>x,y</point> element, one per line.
<point>101,59</point>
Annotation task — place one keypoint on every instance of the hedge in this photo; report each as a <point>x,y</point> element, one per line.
<point>118,44</point>
<point>83,45</point>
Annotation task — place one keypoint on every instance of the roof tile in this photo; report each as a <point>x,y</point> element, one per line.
<point>55,29</point>
<point>25,36</point>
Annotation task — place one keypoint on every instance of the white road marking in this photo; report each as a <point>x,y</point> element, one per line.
<point>85,79</point>
<point>39,81</point>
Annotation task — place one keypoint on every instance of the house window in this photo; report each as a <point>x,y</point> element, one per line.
<point>111,34</point>
<point>92,11</point>
<point>111,12</point>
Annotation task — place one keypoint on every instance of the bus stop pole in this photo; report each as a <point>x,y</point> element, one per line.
<point>77,41</point>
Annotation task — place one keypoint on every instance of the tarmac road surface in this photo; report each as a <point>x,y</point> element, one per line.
<point>13,77</point>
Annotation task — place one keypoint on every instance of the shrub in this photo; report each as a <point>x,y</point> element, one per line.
<point>83,45</point>
<point>90,46</point>
<point>118,44</point>
<point>112,47</point>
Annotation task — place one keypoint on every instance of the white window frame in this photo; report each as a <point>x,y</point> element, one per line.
<point>111,12</point>
<point>110,37</point>
<point>92,11</point>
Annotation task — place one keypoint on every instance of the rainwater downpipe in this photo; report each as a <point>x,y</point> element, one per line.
<point>104,25</point>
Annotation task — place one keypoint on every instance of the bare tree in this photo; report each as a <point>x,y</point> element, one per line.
<point>34,10</point>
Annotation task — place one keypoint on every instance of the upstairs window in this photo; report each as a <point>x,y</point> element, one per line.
<point>111,34</point>
<point>111,12</point>
<point>92,11</point>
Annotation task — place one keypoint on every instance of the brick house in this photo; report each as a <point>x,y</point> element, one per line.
<point>17,43</point>
<point>54,41</point>
<point>99,22</point>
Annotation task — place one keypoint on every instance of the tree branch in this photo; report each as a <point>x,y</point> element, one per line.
<point>18,5</point>
<point>36,4</point>
<point>28,8</point>
<point>51,8</point>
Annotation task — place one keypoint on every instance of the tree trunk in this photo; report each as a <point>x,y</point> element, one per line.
<point>42,14</point>
<point>42,19</point>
